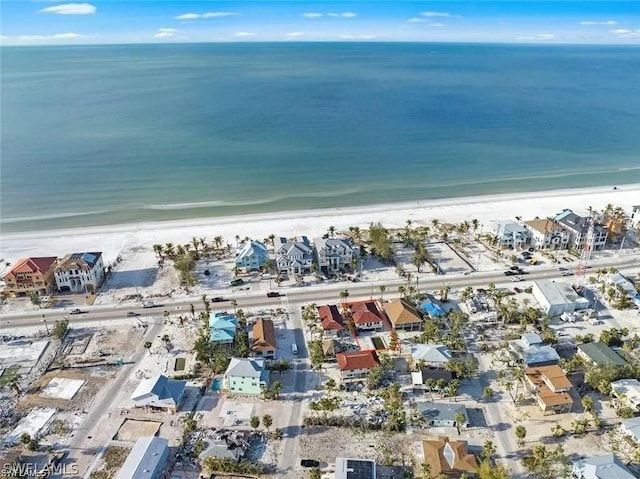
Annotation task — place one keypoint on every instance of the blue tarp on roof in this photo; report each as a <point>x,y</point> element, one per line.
<point>432,309</point>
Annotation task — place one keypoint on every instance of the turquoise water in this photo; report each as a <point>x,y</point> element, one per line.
<point>216,384</point>
<point>106,134</point>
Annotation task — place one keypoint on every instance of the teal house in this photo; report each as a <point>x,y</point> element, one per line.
<point>222,328</point>
<point>246,376</point>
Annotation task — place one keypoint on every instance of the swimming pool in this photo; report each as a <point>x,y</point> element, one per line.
<point>216,384</point>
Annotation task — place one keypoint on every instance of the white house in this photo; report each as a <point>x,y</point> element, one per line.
<point>80,273</point>
<point>628,392</point>
<point>159,392</point>
<point>511,235</point>
<point>634,221</point>
<point>293,257</point>
<point>251,255</point>
<point>246,376</point>
<point>547,234</point>
<point>607,466</point>
<point>432,355</point>
<point>578,227</point>
<point>557,297</point>
<point>631,429</point>
<point>333,254</point>
<point>147,460</point>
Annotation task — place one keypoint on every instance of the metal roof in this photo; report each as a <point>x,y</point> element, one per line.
<point>355,468</point>
<point>145,459</point>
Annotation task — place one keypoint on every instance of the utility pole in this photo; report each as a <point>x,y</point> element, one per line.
<point>45,324</point>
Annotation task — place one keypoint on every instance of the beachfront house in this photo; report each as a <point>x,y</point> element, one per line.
<point>445,458</point>
<point>334,254</point>
<point>246,376</point>
<point>607,466</point>
<point>627,393</point>
<point>331,320</point>
<point>511,235</point>
<point>354,366</point>
<point>263,339</point>
<point>29,275</point>
<point>222,327</point>
<point>547,234</point>
<point>80,273</point>
<point>366,315</point>
<point>251,255</point>
<point>403,315</point>
<point>159,392</point>
<point>550,387</point>
<point>293,257</point>
<point>431,355</point>
<point>634,219</point>
<point>578,228</point>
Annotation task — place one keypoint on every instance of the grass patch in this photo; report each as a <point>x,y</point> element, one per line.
<point>378,343</point>
<point>179,364</point>
<point>7,376</point>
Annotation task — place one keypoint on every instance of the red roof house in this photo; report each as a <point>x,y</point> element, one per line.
<point>366,315</point>
<point>355,365</point>
<point>31,274</point>
<point>331,320</point>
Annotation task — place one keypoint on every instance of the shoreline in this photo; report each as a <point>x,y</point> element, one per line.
<point>313,222</point>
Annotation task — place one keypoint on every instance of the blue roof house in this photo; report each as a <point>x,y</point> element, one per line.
<point>222,328</point>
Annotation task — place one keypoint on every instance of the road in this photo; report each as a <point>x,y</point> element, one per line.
<point>321,293</point>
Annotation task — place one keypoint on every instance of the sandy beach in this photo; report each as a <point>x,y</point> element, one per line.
<point>124,239</point>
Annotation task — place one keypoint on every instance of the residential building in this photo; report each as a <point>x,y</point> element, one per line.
<point>607,466</point>
<point>420,379</point>
<point>147,460</point>
<point>226,444</point>
<point>547,234</point>
<point>347,468</point>
<point>532,351</point>
<point>511,235</point>
<point>31,274</point>
<point>557,297</point>
<point>442,414</point>
<point>550,387</point>
<point>293,257</point>
<point>334,254</point>
<point>246,376</point>
<point>619,281</point>
<point>222,327</point>
<point>264,339</point>
<point>355,365</point>
<point>631,429</point>
<point>445,458</point>
<point>251,255</point>
<point>366,315</point>
<point>627,391</point>
<point>80,273</point>
<point>600,354</point>
<point>431,355</point>
<point>403,315</point>
<point>634,220</point>
<point>331,320</point>
<point>578,227</point>
<point>159,392</point>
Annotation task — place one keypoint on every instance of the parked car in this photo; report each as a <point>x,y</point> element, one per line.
<point>132,314</point>
<point>273,294</point>
<point>517,290</point>
<point>309,463</point>
<point>218,299</point>
<point>75,311</point>
<point>237,282</point>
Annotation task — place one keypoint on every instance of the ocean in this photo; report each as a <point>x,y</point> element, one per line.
<point>96,135</point>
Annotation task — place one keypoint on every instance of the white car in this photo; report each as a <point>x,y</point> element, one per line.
<point>516,279</point>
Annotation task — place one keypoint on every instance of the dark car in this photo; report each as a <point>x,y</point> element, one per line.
<point>517,290</point>
<point>510,273</point>
<point>273,294</point>
<point>218,299</point>
<point>309,463</point>
<point>237,282</point>
<point>75,311</point>
<point>515,268</point>
<point>131,314</point>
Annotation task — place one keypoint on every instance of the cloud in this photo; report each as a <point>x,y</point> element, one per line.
<point>70,9</point>
<point>607,22</point>
<point>621,31</point>
<point>546,36</point>
<point>57,36</point>
<point>626,33</point>
<point>218,14</point>
<point>438,14</point>
<point>165,33</point>
<point>246,34</point>
<point>438,25</point>
<point>312,15</point>
<point>295,34</point>
<point>342,15</point>
<point>357,37</point>
<point>416,20</point>
<point>541,36</point>
<point>187,16</point>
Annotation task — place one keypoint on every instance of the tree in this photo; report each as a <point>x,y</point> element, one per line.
<point>166,340</point>
<point>254,421</point>
<point>460,419</point>
<point>487,393</point>
<point>330,385</point>
<point>147,346</point>
<point>488,451</point>
<point>521,433</point>
<point>34,296</point>
<point>587,403</point>
<point>486,470</point>
<point>382,288</point>
<point>315,473</point>
<point>267,421</point>
<point>60,329</point>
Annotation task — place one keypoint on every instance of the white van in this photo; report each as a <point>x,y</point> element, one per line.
<point>294,348</point>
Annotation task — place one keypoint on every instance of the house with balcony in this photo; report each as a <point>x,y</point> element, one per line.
<point>293,257</point>
<point>627,392</point>
<point>80,273</point>
<point>222,327</point>
<point>331,320</point>
<point>29,275</point>
<point>578,228</point>
<point>445,457</point>
<point>354,366</point>
<point>366,315</point>
<point>532,351</point>
<point>634,219</point>
<point>431,355</point>
<point>630,428</point>
<point>246,376</point>
<point>403,315</point>
<point>442,414</point>
<point>263,339</point>
<point>550,387</point>
<point>334,254</point>
<point>251,255</point>
<point>511,235</point>
<point>547,234</point>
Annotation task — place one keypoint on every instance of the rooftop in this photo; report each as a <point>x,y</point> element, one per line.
<point>441,411</point>
<point>159,391</point>
<point>365,312</point>
<point>246,367</point>
<point>355,468</point>
<point>601,354</point>
<point>79,261</point>
<point>31,265</point>
<point>630,388</point>
<point>607,466</point>
<point>558,292</point>
<point>264,335</point>
<point>357,360</point>
<point>145,458</point>
<point>633,426</point>
<point>400,311</point>
<point>431,353</point>
<point>445,456</point>
<point>544,225</point>
<point>330,317</point>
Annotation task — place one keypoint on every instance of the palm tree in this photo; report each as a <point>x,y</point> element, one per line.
<point>267,421</point>
<point>382,288</point>
<point>459,420</point>
<point>488,451</point>
<point>157,249</point>
<point>217,241</point>
<point>431,385</point>
<point>254,421</point>
<point>330,385</point>
<point>272,238</point>
<point>169,250</point>
<point>196,243</point>
<point>234,303</point>
<point>344,294</point>
<point>166,340</point>
<point>521,433</point>
<point>475,223</point>
<point>332,231</point>
<point>147,346</point>
<point>277,388</point>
